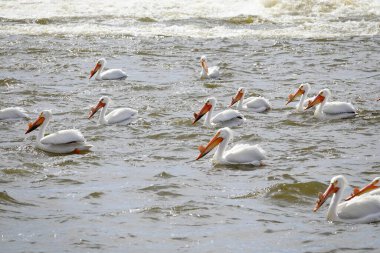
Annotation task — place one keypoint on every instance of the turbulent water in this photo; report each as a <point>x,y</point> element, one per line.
<point>140,188</point>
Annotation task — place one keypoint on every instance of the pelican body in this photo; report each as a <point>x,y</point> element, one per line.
<point>206,72</point>
<point>238,154</point>
<point>111,74</point>
<point>363,209</point>
<point>120,115</point>
<point>255,104</point>
<point>331,110</point>
<point>61,142</point>
<point>12,113</point>
<point>229,116</point>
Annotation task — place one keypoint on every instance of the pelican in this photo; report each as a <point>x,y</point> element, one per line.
<point>372,188</point>
<point>238,154</point>
<point>12,113</point>
<point>333,109</point>
<point>212,72</point>
<point>111,74</point>
<point>225,117</point>
<point>256,104</point>
<point>61,142</point>
<point>363,209</point>
<point>120,115</point>
<point>304,91</point>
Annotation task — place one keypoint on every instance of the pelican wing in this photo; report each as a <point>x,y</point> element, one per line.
<point>244,153</point>
<point>360,207</point>
<point>227,115</point>
<point>338,108</point>
<point>213,72</point>
<point>120,115</point>
<point>12,112</point>
<point>113,74</point>
<point>63,136</point>
<point>257,102</point>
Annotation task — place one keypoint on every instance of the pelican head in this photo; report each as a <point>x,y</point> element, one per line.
<point>322,96</point>
<point>99,64</point>
<point>239,95</point>
<point>221,134</point>
<point>337,183</point>
<point>103,101</point>
<point>210,103</point>
<point>375,184</point>
<point>203,62</point>
<point>304,88</point>
<point>44,115</point>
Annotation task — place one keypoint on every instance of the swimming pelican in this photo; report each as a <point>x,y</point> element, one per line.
<point>120,115</point>
<point>61,142</point>
<point>228,116</point>
<point>372,188</point>
<point>304,91</point>
<point>363,209</point>
<point>238,154</point>
<point>212,72</point>
<point>12,113</point>
<point>111,74</point>
<point>332,109</point>
<point>256,104</point>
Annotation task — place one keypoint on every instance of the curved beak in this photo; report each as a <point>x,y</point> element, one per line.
<point>319,99</point>
<point>293,96</point>
<point>205,109</point>
<point>204,65</point>
<point>210,146</point>
<point>237,97</point>
<point>323,197</point>
<point>95,109</point>
<point>32,126</point>
<point>357,192</point>
<point>94,70</point>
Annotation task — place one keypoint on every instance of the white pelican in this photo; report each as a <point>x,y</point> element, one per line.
<point>111,74</point>
<point>120,115</point>
<point>212,72</point>
<point>336,110</point>
<point>304,91</point>
<point>61,142</point>
<point>372,188</point>
<point>256,104</point>
<point>12,113</point>
<point>229,116</point>
<point>362,209</point>
<point>238,154</point>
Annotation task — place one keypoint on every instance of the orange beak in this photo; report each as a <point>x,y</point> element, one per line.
<point>95,109</point>
<point>237,97</point>
<point>323,197</point>
<point>293,96</point>
<point>38,122</point>
<point>210,146</point>
<point>94,70</point>
<point>319,99</point>
<point>365,189</point>
<point>203,111</point>
<point>204,65</point>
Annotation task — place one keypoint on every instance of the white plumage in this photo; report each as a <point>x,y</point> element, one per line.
<point>208,72</point>
<point>255,104</point>
<point>111,74</point>
<point>12,113</point>
<point>121,115</point>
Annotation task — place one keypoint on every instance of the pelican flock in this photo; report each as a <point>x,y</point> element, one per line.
<point>120,115</point>
<point>111,74</point>
<point>362,206</point>
<point>228,116</point>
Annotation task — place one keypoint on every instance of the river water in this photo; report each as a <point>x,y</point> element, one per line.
<point>140,189</point>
